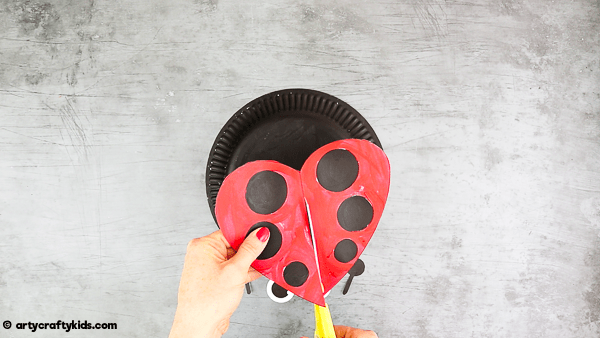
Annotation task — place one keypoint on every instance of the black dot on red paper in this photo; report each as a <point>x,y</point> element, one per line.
<point>337,170</point>
<point>266,192</point>
<point>345,251</point>
<point>274,243</point>
<point>278,291</point>
<point>355,213</point>
<point>295,274</point>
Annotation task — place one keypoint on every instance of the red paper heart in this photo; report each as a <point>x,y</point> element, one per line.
<point>345,184</point>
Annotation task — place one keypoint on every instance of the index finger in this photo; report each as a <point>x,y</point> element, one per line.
<point>219,237</point>
<point>213,244</point>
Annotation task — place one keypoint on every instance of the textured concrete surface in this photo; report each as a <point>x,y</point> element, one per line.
<point>488,110</point>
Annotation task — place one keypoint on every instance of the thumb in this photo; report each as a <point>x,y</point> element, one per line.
<point>252,246</point>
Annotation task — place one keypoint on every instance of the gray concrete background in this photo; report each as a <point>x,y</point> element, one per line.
<point>488,110</point>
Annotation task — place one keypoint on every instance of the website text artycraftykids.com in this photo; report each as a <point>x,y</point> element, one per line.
<point>60,325</point>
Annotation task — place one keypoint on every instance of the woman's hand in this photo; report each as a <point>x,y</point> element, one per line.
<point>212,283</point>
<point>350,332</point>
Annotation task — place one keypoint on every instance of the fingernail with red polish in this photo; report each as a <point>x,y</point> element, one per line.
<point>263,234</point>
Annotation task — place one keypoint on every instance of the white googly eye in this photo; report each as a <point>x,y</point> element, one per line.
<point>272,295</point>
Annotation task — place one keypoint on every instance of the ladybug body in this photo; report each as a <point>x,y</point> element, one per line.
<point>345,185</point>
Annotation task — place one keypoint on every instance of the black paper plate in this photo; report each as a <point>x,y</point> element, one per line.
<point>286,126</point>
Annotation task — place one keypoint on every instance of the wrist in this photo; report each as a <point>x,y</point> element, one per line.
<point>197,325</point>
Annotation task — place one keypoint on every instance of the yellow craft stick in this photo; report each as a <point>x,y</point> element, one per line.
<point>324,325</point>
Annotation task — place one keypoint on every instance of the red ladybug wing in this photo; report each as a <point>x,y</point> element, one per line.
<point>268,191</point>
<point>346,184</point>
